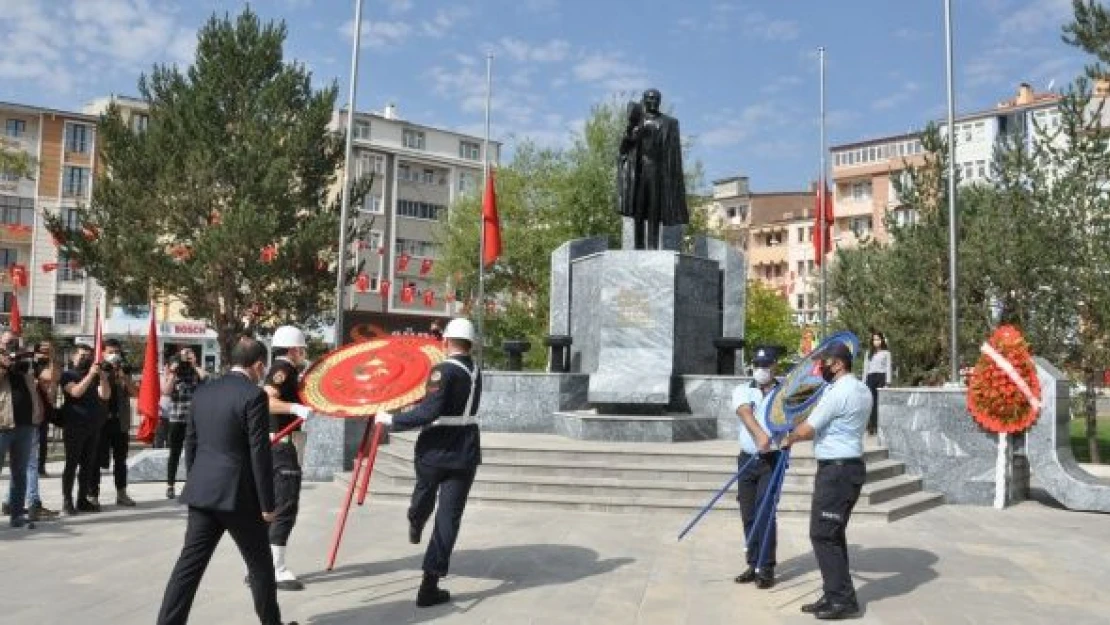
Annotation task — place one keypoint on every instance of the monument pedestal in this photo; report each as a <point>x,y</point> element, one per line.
<point>588,425</point>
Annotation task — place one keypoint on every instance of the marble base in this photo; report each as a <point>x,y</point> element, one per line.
<point>587,425</point>
<point>323,454</point>
<point>151,465</point>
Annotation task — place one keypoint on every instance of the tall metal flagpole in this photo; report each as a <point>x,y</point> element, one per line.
<point>345,205</point>
<point>822,193</point>
<point>482,222</point>
<point>953,328</point>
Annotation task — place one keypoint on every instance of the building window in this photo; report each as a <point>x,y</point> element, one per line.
<point>17,210</point>
<point>67,270</point>
<point>470,150</point>
<point>905,216</point>
<point>15,128</point>
<point>416,247</point>
<point>75,181</point>
<point>420,210</point>
<point>809,267</point>
<point>8,257</point>
<point>413,139</point>
<point>467,181</point>
<point>428,176</point>
<point>71,218</point>
<point>981,169</point>
<point>801,235</point>
<point>139,122</point>
<point>8,176</point>
<point>362,130</point>
<point>68,309</point>
<point>731,212</point>
<point>374,240</point>
<point>860,226</point>
<point>77,138</point>
<point>861,191</point>
<point>801,302</point>
<point>368,163</point>
<point>801,268</point>
<point>371,204</point>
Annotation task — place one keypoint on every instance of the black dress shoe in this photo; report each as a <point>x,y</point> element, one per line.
<point>430,593</point>
<point>414,534</point>
<point>838,612</point>
<point>765,579</point>
<point>816,606</point>
<point>746,577</point>
<point>84,505</point>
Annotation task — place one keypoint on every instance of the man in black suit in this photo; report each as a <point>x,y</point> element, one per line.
<point>230,486</point>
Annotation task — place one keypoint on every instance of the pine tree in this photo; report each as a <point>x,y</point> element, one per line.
<point>226,202</point>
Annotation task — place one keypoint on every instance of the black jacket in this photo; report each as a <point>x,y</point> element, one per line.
<point>227,448</point>
<point>446,446</point>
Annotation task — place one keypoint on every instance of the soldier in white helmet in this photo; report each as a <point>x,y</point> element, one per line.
<point>447,455</point>
<point>281,383</point>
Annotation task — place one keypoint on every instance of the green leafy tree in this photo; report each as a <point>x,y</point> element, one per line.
<point>768,319</point>
<point>545,197</point>
<point>226,202</point>
<point>19,163</point>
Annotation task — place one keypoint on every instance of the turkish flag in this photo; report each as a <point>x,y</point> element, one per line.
<point>425,266</point>
<point>383,288</point>
<point>491,225</point>
<point>269,253</point>
<point>429,298</point>
<point>19,276</point>
<point>15,319</point>
<point>149,387</point>
<point>362,283</point>
<point>408,294</point>
<point>822,237</point>
<point>403,262</point>
<point>48,267</point>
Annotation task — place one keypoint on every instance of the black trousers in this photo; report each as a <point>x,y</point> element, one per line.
<point>750,491</point>
<point>203,533</point>
<point>287,493</point>
<point>874,381</point>
<point>160,433</point>
<point>175,436</point>
<point>44,442</point>
<point>453,487</point>
<point>111,448</point>
<point>836,490</point>
<point>80,443</point>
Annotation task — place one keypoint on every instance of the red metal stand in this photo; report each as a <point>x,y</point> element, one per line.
<point>364,485</point>
<point>360,479</point>
<point>285,432</point>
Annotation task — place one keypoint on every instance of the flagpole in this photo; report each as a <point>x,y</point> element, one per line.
<point>953,327</point>
<point>345,205</point>
<point>823,192</point>
<point>481,312</point>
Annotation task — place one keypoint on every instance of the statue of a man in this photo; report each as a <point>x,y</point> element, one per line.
<point>650,186</point>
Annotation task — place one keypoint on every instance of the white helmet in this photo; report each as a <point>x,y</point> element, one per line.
<point>288,336</point>
<point>460,329</point>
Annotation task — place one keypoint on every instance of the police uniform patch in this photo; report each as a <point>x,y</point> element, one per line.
<point>436,376</point>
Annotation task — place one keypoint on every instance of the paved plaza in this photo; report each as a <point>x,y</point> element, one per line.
<point>1030,564</point>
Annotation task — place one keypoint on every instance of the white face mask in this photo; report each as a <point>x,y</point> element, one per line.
<point>761,376</point>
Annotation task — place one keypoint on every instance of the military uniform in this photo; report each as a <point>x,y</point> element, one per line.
<point>284,378</point>
<point>448,452</point>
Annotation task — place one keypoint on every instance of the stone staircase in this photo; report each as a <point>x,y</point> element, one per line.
<point>548,471</point>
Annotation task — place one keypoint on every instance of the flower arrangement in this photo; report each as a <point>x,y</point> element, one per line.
<point>1003,394</point>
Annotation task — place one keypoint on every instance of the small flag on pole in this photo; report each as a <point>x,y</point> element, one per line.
<point>491,225</point>
<point>149,387</point>
<point>15,319</point>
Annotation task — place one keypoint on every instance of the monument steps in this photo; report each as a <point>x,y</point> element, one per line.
<point>546,471</point>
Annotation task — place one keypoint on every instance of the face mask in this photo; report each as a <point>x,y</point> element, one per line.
<point>827,373</point>
<point>113,358</point>
<point>84,362</point>
<point>762,376</point>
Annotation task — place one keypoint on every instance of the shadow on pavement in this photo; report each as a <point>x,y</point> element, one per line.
<point>517,568</point>
<point>885,572</point>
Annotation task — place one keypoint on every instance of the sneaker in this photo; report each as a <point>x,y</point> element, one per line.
<point>68,509</point>
<point>170,494</point>
<point>123,500</point>
<point>286,580</point>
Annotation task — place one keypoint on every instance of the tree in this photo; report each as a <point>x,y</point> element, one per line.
<point>545,197</point>
<point>768,319</point>
<point>19,163</point>
<point>226,201</point>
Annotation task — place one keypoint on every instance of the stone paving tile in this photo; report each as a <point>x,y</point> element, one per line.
<point>954,565</point>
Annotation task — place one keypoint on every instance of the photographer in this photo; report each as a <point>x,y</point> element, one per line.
<point>20,414</point>
<point>115,435</point>
<point>21,365</point>
<point>86,390</point>
<point>180,379</point>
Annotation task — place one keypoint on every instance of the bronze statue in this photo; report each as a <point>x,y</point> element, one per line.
<point>651,188</point>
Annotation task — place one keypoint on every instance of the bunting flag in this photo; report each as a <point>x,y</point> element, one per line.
<point>91,233</point>
<point>15,319</point>
<point>149,386</point>
<point>429,298</point>
<point>362,283</point>
<point>18,275</point>
<point>822,240</point>
<point>425,266</point>
<point>408,294</point>
<point>403,262</point>
<point>269,253</point>
<point>491,225</point>
<point>48,267</point>
<point>383,289</point>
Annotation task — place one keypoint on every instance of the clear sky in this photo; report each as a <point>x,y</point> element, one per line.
<point>741,76</point>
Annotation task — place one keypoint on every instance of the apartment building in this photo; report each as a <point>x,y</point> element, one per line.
<point>864,173</point>
<point>775,230</point>
<point>63,146</point>
<point>418,172</point>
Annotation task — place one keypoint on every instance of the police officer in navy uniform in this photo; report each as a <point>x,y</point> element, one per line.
<point>448,452</point>
<point>836,426</point>
<point>750,404</point>
<point>282,380</point>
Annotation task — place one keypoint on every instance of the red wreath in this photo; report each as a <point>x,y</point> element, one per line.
<point>993,399</point>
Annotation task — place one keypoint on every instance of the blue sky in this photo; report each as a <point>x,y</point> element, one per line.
<point>741,76</point>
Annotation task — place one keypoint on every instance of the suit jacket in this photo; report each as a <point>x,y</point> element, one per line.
<point>227,448</point>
